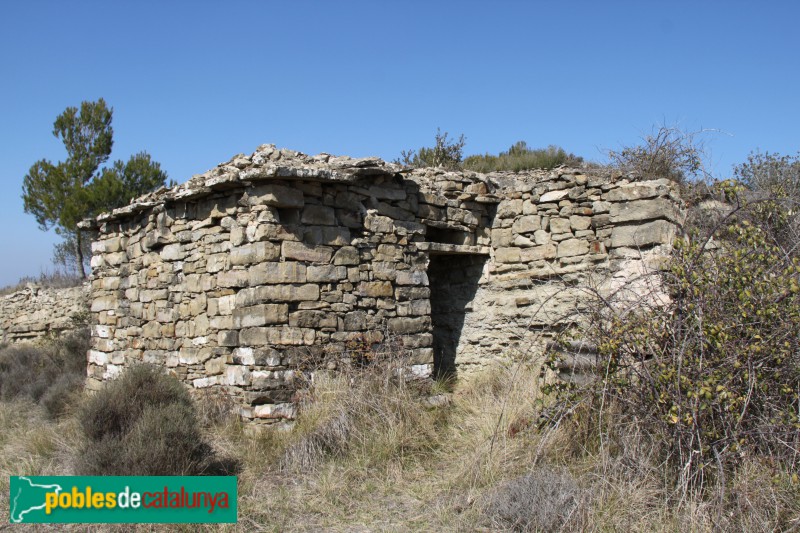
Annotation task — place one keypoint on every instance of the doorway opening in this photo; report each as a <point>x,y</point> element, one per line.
<point>453,283</point>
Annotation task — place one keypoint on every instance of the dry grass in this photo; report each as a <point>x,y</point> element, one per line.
<point>370,454</point>
<point>32,444</point>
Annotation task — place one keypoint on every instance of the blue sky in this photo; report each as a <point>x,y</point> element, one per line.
<point>194,83</point>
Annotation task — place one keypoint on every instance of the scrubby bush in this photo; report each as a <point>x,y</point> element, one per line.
<point>668,153</point>
<point>545,499</point>
<point>712,372</point>
<point>50,372</point>
<point>776,178</point>
<point>144,423</point>
<point>445,152</point>
<point>57,279</point>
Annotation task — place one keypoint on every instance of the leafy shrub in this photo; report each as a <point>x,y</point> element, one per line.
<point>49,373</point>
<point>777,178</point>
<point>144,423</point>
<point>521,157</point>
<point>715,371</point>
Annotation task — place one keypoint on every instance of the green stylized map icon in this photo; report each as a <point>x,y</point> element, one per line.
<point>28,498</point>
<point>122,499</point>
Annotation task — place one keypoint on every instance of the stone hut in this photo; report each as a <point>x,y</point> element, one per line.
<point>279,261</point>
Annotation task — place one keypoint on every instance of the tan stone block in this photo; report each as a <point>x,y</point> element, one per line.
<point>559,225</point>
<point>257,252</point>
<point>405,325</point>
<point>313,319</point>
<point>572,247</point>
<point>643,210</point>
<point>637,191</point>
<point>326,273</point>
<point>215,366</point>
<point>237,375</point>
<point>541,236</point>
<point>527,224</point>
<point>537,253</point>
<point>378,224</point>
<point>507,255</point>
<point>579,222</point>
<point>553,196</point>
<point>232,278</point>
<point>509,208</point>
<point>376,289</point>
<point>382,270</point>
<point>388,252</point>
<point>260,315</point>
<point>411,277</point>
<point>655,232</point>
<point>284,272</point>
<point>276,336</point>
<point>347,255</point>
<point>335,236</point>
<point>304,252</point>
<point>275,196</point>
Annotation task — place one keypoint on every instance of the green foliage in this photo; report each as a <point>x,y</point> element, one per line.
<point>61,195</point>
<point>715,370</point>
<point>521,157</point>
<point>50,373</point>
<point>777,178</point>
<point>445,152</point>
<point>118,185</point>
<point>144,423</point>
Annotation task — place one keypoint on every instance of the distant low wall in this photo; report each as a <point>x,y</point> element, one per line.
<point>36,311</point>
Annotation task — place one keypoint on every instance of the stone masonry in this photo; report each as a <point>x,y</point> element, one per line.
<point>278,261</point>
<point>35,311</point>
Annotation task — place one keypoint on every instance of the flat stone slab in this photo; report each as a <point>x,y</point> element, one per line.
<point>441,248</point>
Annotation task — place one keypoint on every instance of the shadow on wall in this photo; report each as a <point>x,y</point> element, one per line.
<point>453,282</point>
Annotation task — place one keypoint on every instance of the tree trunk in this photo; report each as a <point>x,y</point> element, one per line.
<point>79,254</point>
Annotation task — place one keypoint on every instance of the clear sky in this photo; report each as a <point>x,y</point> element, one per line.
<point>194,83</point>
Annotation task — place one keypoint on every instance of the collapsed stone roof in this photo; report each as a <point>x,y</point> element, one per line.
<point>269,162</point>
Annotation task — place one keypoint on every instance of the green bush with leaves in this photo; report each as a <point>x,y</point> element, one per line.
<point>714,373</point>
<point>777,178</point>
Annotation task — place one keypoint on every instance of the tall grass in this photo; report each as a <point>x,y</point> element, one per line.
<point>371,451</point>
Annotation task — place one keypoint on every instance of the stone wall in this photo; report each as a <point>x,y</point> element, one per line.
<point>36,311</point>
<point>278,261</point>
<point>558,237</point>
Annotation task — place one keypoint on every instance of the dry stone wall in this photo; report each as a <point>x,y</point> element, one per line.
<point>266,265</point>
<point>558,237</point>
<point>37,311</point>
<point>278,262</point>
